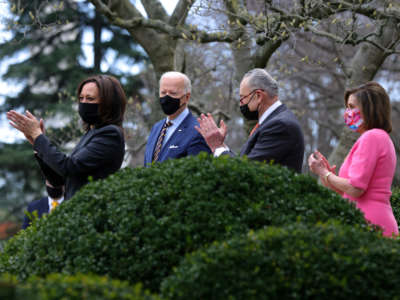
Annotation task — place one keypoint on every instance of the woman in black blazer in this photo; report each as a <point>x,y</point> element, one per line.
<point>100,151</point>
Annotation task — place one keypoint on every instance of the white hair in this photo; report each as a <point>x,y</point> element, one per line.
<point>260,79</point>
<point>187,85</point>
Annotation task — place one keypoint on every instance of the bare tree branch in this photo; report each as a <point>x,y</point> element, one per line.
<point>179,32</point>
<point>180,12</point>
<point>155,10</point>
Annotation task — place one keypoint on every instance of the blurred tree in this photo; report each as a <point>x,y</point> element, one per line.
<point>341,43</point>
<point>56,44</point>
<point>314,48</point>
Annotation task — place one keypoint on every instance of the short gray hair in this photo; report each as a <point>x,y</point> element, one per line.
<point>187,85</point>
<point>260,79</point>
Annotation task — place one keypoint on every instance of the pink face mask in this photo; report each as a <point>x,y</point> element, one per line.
<point>352,118</point>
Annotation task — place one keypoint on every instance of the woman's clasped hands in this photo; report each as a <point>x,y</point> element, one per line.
<point>319,165</point>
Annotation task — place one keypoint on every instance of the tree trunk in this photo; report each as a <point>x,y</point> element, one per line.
<point>97,47</point>
<point>365,64</point>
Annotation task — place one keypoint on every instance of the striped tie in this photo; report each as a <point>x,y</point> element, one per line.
<point>160,140</point>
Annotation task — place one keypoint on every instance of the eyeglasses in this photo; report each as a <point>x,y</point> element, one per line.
<point>244,97</point>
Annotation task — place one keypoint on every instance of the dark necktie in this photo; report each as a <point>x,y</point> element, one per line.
<point>160,140</point>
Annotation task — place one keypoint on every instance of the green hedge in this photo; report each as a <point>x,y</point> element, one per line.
<point>139,223</point>
<point>395,202</point>
<point>324,261</point>
<point>78,287</point>
<point>7,287</point>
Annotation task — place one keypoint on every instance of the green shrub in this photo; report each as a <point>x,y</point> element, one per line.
<point>395,202</point>
<point>7,287</point>
<point>139,223</point>
<point>79,287</point>
<point>324,261</point>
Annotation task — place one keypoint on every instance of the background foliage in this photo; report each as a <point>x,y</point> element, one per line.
<point>77,287</point>
<point>52,44</point>
<point>139,223</point>
<point>326,261</point>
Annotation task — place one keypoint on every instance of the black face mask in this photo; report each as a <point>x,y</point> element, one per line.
<point>89,112</point>
<point>249,115</point>
<point>170,105</point>
<point>54,192</point>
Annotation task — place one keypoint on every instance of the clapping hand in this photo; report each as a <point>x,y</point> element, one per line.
<point>213,135</point>
<point>318,164</point>
<point>27,124</point>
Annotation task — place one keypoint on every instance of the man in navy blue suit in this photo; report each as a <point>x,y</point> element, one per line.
<point>45,204</point>
<point>277,136</point>
<point>174,136</point>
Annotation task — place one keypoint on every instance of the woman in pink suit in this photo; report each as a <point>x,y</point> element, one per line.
<point>367,173</point>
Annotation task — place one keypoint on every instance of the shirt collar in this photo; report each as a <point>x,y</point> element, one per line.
<point>50,200</point>
<point>178,120</point>
<point>269,111</point>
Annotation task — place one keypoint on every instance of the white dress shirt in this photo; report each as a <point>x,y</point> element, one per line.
<point>51,201</point>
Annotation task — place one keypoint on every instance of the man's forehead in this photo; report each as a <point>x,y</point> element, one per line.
<point>175,81</point>
<point>243,86</point>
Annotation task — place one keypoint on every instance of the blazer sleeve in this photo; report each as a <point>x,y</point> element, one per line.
<point>51,176</point>
<point>98,151</point>
<point>272,143</point>
<point>198,145</point>
<point>364,160</point>
<point>230,153</point>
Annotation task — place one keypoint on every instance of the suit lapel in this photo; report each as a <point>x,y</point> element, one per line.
<point>44,206</point>
<point>253,138</point>
<point>176,136</point>
<point>277,111</point>
<point>153,140</point>
<point>84,140</point>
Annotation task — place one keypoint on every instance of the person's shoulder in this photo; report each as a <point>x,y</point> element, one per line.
<point>375,133</point>
<point>285,118</point>
<point>110,127</point>
<point>376,137</point>
<point>110,130</point>
<point>158,124</point>
<point>34,205</point>
<point>191,119</point>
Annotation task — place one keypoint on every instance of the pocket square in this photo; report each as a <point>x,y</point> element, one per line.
<point>173,147</point>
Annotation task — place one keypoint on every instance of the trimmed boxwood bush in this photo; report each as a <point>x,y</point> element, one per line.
<point>78,287</point>
<point>7,288</point>
<point>137,224</point>
<point>324,261</point>
<point>395,202</point>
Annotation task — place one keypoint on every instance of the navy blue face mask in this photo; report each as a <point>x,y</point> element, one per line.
<point>89,112</point>
<point>169,104</point>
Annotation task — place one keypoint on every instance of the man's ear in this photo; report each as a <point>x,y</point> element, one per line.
<point>186,98</point>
